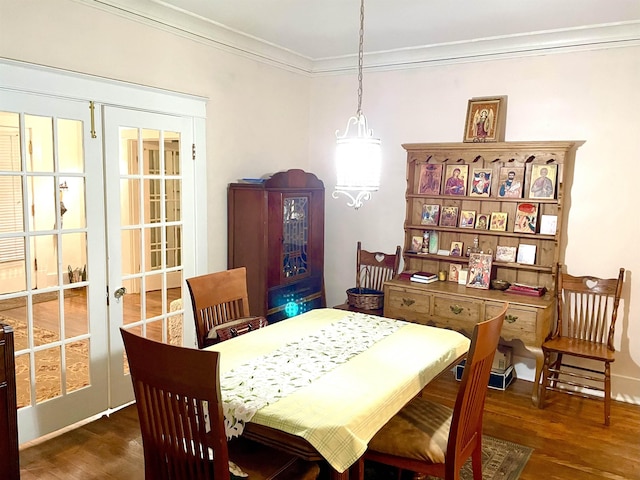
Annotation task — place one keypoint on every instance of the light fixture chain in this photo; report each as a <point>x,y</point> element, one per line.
<point>360,58</point>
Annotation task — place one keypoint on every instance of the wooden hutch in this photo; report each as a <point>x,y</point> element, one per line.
<point>452,305</point>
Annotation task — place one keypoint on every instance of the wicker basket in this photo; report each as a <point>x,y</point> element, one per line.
<point>365,298</point>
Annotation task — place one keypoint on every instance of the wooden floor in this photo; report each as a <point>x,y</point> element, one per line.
<point>573,447</point>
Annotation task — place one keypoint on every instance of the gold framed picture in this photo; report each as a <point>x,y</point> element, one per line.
<point>498,221</point>
<point>486,119</point>
<point>543,181</point>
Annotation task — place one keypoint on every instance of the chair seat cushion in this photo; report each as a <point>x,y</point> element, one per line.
<point>580,348</point>
<point>236,327</point>
<point>419,431</point>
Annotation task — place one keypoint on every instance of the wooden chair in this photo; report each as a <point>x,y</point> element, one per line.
<point>432,439</point>
<point>587,312</point>
<point>182,423</point>
<point>372,270</point>
<point>220,299</point>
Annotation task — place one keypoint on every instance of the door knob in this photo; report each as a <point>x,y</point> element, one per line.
<point>119,293</point>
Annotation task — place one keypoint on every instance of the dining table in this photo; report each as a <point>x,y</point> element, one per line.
<point>321,384</point>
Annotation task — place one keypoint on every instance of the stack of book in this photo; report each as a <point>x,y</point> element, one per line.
<point>530,290</point>
<point>424,277</point>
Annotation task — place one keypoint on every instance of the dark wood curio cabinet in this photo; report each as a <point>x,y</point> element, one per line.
<point>9,459</point>
<point>276,231</point>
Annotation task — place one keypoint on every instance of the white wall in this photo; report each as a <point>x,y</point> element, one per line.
<point>262,120</point>
<point>590,96</point>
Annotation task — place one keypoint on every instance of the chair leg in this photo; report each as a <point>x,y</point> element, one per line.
<point>607,393</point>
<point>476,462</point>
<point>556,366</point>
<point>545,380</point>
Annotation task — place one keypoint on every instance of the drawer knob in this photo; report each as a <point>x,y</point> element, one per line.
<point>510,318</point>
<point>408,302</point>
<point>457,309</point>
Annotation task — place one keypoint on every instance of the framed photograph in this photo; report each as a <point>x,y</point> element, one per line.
<point>479,270</point>
<point>482,221</point>
<point>430,178</point>
<point>456,249</point>
<point>454,272</point>
<point>486,119</point>
<point>498,221</point>
<point>543,181</point>
<point>456,180</point>
<point>480,182</point>
<point>548,224</point>
<point>416,243</point>
<point>448,216</point>
<point>505,254</point>
<point>510,182</point>
<point>526,254</point>
<point>467,218</point>
<point>526,218</point>
<point>430,214</point>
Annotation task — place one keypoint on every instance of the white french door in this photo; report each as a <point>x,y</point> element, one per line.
<point>52,260</point>
<point>149,215</point>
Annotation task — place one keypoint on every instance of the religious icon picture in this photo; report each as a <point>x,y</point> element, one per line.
<point>498,222</point>
<point>416,243</point>
<point>467,218</point>
<point>456,249</point>
<point>479,270</point>
<point>510,182</point>
<point>456,180</point>
<point>430,178</point>
<point>430,214</point>
<point>543,181</point>
<point>486,119</point>
<point>454,272</point>
<point>449,216</point>
<point>526,218</point>
<point>482,221</point>
<point>480,182</point>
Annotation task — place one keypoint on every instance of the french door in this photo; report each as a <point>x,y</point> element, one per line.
<point>52,260</point>
<point>97,232</point>
<point>149,174</point>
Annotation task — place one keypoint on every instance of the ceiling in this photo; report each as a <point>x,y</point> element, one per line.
<point>308,33</point>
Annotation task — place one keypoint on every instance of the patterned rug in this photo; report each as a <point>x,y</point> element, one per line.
<point>501,460</point>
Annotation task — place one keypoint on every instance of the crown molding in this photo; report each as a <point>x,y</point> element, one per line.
<point>157,14</point>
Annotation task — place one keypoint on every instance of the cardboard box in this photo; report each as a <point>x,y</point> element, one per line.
<point>497,380</point>
<point>502,359</point>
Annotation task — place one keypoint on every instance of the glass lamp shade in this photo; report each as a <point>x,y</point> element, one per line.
<point>358,164</point>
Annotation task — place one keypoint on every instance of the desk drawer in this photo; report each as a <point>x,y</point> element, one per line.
<point>456,313</point>
<point>519,322</point>
<point>407,304</point>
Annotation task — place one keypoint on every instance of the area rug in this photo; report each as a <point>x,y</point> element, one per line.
<point>501,460</point>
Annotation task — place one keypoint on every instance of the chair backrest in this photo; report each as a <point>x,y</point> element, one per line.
<point>588,307</point>
<point>180,409</point>
<point>466,423</point>
<point>375,268</point>
<point>218,298</point>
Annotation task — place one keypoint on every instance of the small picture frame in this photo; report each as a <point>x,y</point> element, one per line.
<point>498,222</point>
<point>456,179</point>
<point>479,270</point>
<point>526,254</point>
<point>454,272</point>
<point>526,218</point>
<point>456,249</point>
<point>467,218</point>
<point>486,119</point>
<point>416,243</point>
<point>510,182</point>
<point>548,224</point>
<point>543,181</point>
<point>448,216</point>
<point>482,221</point>
<point>480,182</point>
<point>430,214</point>
<point>506,254</point>
<point>430,178</point>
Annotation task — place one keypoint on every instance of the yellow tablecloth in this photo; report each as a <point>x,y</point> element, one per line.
<point>340,412</point>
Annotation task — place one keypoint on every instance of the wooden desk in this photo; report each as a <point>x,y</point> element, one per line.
<point>336,414</point>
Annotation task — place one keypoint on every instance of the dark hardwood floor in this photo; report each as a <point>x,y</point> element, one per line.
<point>575,446</point>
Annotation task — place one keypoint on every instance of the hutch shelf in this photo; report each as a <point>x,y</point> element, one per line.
<point>453,305</point>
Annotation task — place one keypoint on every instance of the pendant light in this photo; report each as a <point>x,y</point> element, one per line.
<point>358,154</point>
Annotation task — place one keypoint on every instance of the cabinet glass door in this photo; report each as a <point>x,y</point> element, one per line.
<point>295,237</point>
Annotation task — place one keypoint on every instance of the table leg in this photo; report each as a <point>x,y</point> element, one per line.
<point>539,356</point>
